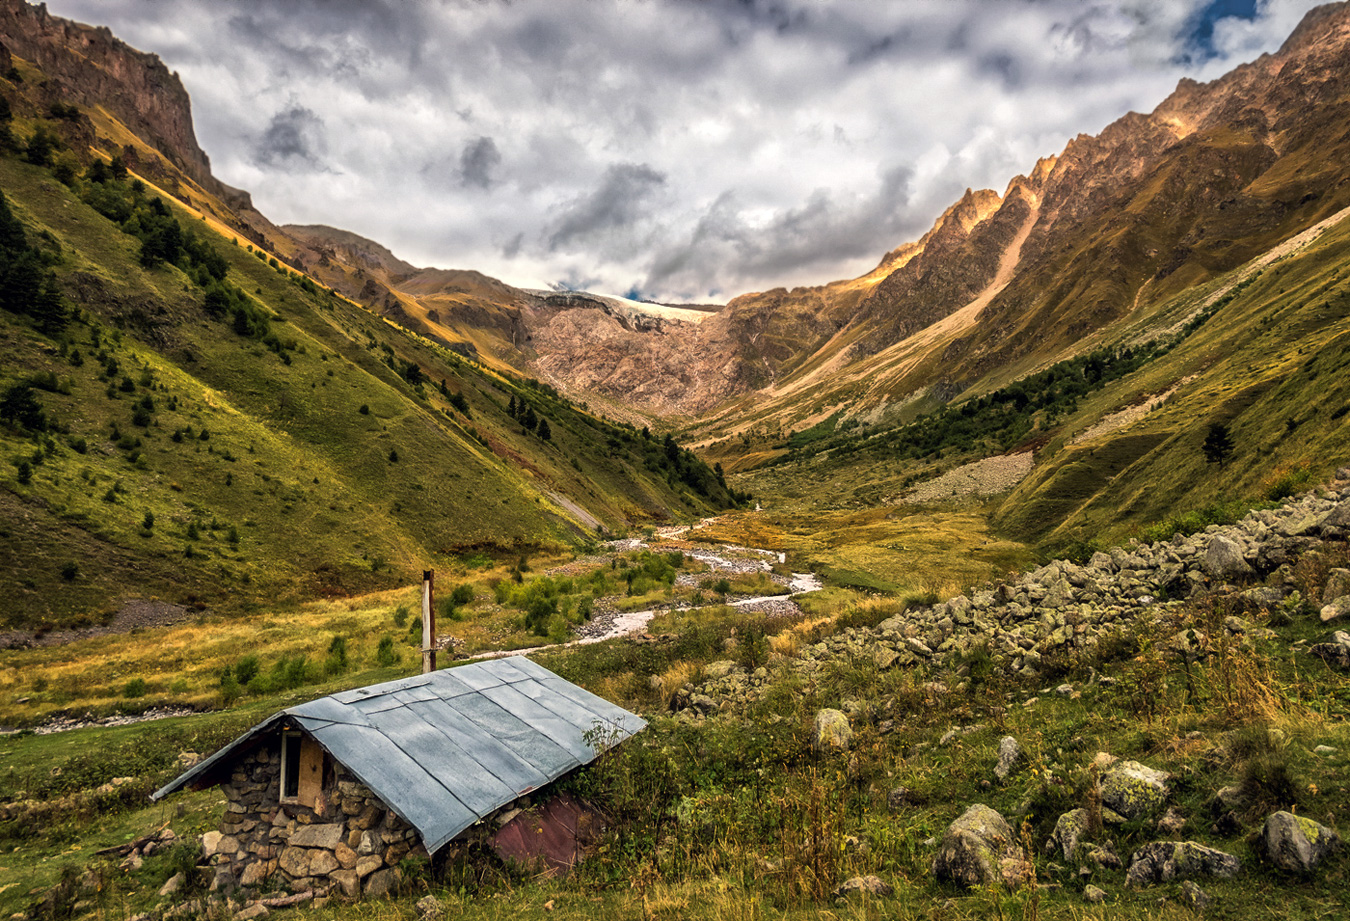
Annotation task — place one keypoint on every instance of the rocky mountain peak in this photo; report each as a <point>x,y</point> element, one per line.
<point>87,65</point>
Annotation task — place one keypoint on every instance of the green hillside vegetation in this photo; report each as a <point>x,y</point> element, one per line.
<point>186,419</point>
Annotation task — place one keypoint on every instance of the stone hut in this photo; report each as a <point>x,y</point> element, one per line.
<point>336,792</point>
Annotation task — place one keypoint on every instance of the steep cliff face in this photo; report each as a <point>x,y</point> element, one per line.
<point>89,66</point>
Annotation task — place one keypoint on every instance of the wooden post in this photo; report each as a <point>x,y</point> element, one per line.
<point>428,621</point>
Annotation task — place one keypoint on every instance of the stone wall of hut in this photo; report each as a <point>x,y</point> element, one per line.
<point>348,840</point>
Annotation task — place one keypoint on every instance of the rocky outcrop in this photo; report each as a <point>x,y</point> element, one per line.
<point>87,65</point>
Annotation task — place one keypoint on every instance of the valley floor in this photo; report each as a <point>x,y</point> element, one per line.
<point>731,805</point>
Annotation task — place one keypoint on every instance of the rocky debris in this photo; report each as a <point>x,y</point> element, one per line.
<point>1094,894</point>
<point>986,477</point>
<point>429,908</point>
<point>67,723</point>
<point>899,798</point>
<point>973,847</point>
<point>173,884</point>
<point>832,731</point>
<point>1296,843</point>
<point>1133,789</point>
<point>1009,754</point>
<point>1162,861</point>
<point>1172,822</point>
<point>1064,608</point>
<point>1195,898</point>
<point>872,885</point>
<point>1336,653</point>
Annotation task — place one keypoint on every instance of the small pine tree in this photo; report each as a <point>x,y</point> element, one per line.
<point>511,407</point>
<point>544,431</point>
<point>1218,445</point>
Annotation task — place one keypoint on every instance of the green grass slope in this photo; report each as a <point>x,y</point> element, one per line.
<point>288,446</point>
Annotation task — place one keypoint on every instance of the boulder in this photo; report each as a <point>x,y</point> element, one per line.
<point>1094,894</point>
<point>873,885</point>
<point>1296,843</point>
<point>1069,828</point>
<point>1009,753</point>
<point>832,731</point>
<point>1133,789</point>
<point>1223,560</point>
<point>429,908</point>
<point>1162,861</point>
<point>173,884</point>
<point>973,846</point>
<point>1336,653</point>
<point>1338,585</point>
<point>1335,610</point>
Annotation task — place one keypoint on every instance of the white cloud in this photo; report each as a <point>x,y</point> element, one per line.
<point>694,148</point>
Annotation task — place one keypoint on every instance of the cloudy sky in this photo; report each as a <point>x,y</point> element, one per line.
<point>680,150</point>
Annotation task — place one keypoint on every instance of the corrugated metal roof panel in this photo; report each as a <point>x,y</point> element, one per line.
<point>445,749</point>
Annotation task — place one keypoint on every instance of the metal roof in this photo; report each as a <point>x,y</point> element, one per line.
<point>448,748</point>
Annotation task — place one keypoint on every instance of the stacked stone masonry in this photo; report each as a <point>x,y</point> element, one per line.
<point>348,841</point>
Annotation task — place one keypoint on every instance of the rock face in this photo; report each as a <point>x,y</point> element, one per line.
<point>832,731</point>
<point>1162,861</point>
<point>90,67</point>
<point>1297,844</point>
<point>973,847</point>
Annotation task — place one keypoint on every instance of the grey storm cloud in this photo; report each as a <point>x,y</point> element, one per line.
<point>619,203</point>
<point>691,149</point>
<point>478,162</point>
<point>294,139</point>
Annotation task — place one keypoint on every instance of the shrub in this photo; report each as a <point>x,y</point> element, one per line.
<point>385,654</point>
<point>246,669</point>
<point>136,687</point>
<point>337,656</point>
<point>70,572</point>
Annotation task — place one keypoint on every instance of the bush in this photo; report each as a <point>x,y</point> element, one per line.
<point>337,656</point>
<point>385,654</point>
<point>136,687</point>
<point>246,669</point>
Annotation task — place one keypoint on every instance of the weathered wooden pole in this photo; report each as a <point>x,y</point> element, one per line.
<point>428,621</point>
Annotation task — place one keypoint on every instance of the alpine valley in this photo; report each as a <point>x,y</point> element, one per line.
<point>1004,579</point>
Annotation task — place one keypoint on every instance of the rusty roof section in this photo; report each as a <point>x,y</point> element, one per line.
<point>446,749</point>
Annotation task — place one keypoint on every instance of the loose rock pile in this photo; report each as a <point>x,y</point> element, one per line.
<point>1064,607</point>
